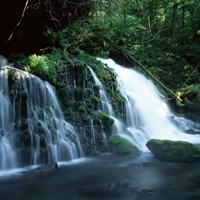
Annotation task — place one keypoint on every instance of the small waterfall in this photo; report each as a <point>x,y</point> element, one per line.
<point>147,114</point>
<point>118,127</point>
<point>106,105</point>
<point>93,136</point>
<point>7,153</point>
<point>32,126</point>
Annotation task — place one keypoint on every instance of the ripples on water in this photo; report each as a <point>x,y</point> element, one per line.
<point>108,177</point>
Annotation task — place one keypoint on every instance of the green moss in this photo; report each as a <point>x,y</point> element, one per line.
<point>174,150</point>
<point>121,145</point>
<point>94,101</point>
<point>106,119</point>
<point>81,108</point>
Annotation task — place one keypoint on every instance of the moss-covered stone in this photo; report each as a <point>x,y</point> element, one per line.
<point>107,121</point>
<point>95,101</point>
<point>81,109</point>
<point>173,151</point>
<point>120,145</point>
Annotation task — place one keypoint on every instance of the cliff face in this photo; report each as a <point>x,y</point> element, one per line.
<point>81,105</point>
<point>26,25</point>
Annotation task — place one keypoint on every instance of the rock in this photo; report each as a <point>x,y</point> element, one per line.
<point>173,151</point>
<point>192,132</point>
<point>106,119</point>
<point>49,167</point>
<point>120,145</point>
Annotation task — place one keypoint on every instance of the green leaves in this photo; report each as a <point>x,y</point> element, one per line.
<point>43,67</point>
<point>161,35</point>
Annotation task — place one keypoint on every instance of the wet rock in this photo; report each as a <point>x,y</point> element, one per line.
<point>120,145</point>
<point>174,151</point>
<point>49,167</point>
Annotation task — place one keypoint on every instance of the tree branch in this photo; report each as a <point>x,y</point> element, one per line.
<point>23,13</point>
<point>160,83</point>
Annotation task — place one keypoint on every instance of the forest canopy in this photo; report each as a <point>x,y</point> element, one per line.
<point>163,37</point>
<point>159,38</point>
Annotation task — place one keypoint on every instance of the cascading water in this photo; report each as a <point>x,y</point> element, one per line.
<point>32,126</point>
<point>118,126</point>
<point>107,107</point>
<point>147,115</point>
<point>7,153</point>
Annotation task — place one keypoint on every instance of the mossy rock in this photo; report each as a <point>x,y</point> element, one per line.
<point>81,109</point>
<point>95,101</point>
<point>106,119</point>
<point>174,151</point>
<point>120,145</point>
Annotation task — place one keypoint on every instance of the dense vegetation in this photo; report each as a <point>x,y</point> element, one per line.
<point>27,25</point>
<point>159,38</point>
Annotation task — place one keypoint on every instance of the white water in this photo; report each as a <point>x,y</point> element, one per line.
<point>147,113</point>
<point>45,122</point>
<point>105,102</point>
<point>118,127</point>
<point>7,153</point>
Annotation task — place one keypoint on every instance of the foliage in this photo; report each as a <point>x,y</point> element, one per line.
<point>162,35</point>
<point>42,67</point>
<point>159,38</point>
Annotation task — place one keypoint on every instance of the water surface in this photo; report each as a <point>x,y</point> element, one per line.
<point>108,177</point>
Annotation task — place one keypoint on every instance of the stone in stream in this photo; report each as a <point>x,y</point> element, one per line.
<point>49,167</point>
<point>174,151</point>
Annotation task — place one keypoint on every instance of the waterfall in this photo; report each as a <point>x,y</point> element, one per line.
<point>106,105</point>
<point>7,153</point>
<point>147,114</point>
<point>32,127</point>
<point>118,126</point>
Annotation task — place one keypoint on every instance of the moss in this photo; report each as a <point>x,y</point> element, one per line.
<point>95,101</point>
<point>121,145</point>
<point>81,108</point>
<point>107,121</point>
<point>174,151</point>
<point>94,98</point>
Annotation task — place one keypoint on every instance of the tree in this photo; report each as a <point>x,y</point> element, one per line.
<point>161,37</point>
<point>27,25</point>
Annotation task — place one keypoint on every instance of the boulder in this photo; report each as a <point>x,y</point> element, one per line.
<point>173,151</point>
<point>121,145</point>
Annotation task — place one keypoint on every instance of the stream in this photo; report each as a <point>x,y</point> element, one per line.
<point>107,177</point>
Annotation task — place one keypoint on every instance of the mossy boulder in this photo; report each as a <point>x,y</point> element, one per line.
<point>173,151</point>
<point>120,145</point>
